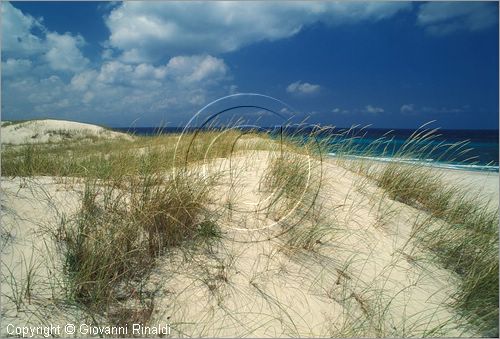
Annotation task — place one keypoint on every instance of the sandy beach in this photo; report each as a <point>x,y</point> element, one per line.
<point>364,276</point>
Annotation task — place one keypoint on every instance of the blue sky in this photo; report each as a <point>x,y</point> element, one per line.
<point>388,64</point>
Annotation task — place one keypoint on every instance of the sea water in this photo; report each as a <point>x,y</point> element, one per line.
<point>475,150</point>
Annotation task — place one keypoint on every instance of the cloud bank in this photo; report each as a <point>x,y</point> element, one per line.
<point>163,60</point>
<point>45,73</point>
<point>148,31</point>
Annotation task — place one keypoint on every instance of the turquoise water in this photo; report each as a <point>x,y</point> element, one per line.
<point>478,150</point>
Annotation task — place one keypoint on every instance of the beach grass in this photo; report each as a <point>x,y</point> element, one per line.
<point>106,159</point>
<point>466,242</point>
<point>295,176</point>
<point>145,199</point>
<point>465,237</point>
<point>117,233</point>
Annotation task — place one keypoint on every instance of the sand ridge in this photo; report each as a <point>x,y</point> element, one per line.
<point>48,130</point>
<point>365,276</point>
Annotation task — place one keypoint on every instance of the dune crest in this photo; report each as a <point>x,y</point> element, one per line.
<point>48,130</point>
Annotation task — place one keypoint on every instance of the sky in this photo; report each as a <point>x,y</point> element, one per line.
<point>384,64</point>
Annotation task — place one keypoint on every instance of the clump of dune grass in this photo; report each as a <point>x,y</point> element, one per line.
<point>465,242</point>
<point>122,228</point>
<point>12,122</point>
<point>109,158</point>
<point>295,178</point>
<point>139,201</point>
<point>134,207</point>
<point>141,198</point>
<point>462,231</point>
<point>288,175</point>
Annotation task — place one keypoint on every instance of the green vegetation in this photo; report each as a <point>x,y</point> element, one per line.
<point>295,177</point>
<point>106,159</point>
<point>144,199</point>
<point>118,232</point>
<point>12,122</point>
<point>466,242</point>
<point>466,239</point>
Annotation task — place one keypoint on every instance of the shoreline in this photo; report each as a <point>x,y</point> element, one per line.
<point>425,162</point>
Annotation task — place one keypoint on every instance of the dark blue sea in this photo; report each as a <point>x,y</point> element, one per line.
<point>479,149</point>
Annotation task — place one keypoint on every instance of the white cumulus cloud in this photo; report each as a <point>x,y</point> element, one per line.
<point>12,67</point>
<point>21,34</point>
<point>196,68</point>
<point>299,87</point>
<point>373,109</point>
<point>118,91</point>
<point>148,31</point>
<point>25,37</point>
<point>48,74</point>
<point>64,52</point>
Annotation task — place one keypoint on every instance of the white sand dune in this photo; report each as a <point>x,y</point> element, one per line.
<point>366,265</point>
<point>42,131</point>
<point>366,277</point>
